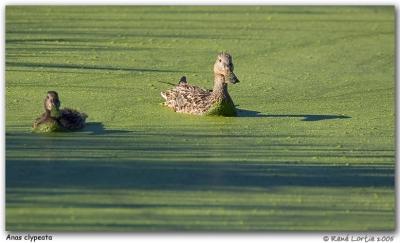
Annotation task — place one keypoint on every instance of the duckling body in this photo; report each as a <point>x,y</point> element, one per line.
<point>56,120</point>
<point>190,99</point>
<point>46,125</point>
<point>72,120</point>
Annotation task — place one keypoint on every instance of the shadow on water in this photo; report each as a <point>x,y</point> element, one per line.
<point>306,117</point>
<point>149,162</point>
<point>91,128</point>
<point>171,175</point>
<point>97,128</point>
<point>85,67</point>
<point>64,171</point>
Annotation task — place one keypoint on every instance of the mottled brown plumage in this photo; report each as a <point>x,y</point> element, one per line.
<point>186,98</point>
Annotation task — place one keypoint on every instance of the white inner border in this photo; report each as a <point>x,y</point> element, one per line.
<point>184,237</point>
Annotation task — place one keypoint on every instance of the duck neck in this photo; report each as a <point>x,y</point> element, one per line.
<point>47,114</point>
<point>53,113</point>
<point>220,90</point>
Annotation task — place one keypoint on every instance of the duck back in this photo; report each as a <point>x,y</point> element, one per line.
<point>186,98</point>
<point>72,119</point>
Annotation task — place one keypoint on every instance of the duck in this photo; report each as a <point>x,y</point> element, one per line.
<point>190,99</point>
<point>55,119</point>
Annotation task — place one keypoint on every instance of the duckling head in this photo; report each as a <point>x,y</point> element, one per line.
<point>52,104</point>
<point>224,66</point>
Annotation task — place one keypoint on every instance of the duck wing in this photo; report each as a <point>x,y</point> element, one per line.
<point>187,98</point>
<point>72,119</point>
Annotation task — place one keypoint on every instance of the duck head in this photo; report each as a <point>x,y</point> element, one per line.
<point>224,66</point>
<point>52,104</point>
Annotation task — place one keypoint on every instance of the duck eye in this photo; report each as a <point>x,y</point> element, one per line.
<point>219,60</point>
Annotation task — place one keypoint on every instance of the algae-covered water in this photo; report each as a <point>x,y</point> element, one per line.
<point>313,148</point>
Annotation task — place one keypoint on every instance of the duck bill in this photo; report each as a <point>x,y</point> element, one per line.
<point>231,77</point>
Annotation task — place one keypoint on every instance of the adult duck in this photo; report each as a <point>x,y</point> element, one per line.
<point>190,99</point>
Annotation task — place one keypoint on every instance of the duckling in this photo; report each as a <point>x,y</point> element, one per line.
<point>56,120</point>
<point>186,98</point>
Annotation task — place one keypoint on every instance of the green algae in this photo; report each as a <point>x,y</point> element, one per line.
<point>312,147</point>
<point>51,124</point>
<point>222,108</point>
<point>48,126</point>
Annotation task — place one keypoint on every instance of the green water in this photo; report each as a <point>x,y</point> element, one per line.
<point>313,147</point>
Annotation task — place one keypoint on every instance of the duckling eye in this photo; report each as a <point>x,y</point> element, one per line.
<point>219,60</point>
